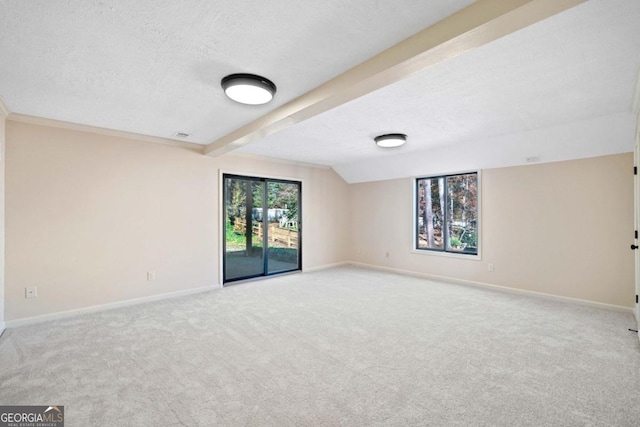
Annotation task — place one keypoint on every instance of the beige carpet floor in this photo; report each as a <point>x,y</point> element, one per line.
<point>340,347</point>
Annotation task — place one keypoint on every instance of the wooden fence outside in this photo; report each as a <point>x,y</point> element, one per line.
<point>278,236</point>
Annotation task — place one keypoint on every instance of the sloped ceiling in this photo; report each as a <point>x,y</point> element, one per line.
<point>559,89</point>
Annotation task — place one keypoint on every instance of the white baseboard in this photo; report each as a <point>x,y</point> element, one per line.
<point>103,307</point>
<point>326,266</point>
<point>499,288</point>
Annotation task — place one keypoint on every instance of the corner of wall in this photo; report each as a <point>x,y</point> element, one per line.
<point>4,111</point>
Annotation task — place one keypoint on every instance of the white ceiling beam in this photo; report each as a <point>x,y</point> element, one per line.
<point>478,24</point>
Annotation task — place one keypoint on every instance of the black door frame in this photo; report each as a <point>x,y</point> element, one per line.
<point>265,221</point>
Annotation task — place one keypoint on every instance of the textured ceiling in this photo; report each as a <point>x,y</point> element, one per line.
<point>559,89</point>
<point>154,67</point>
<point>574,67</point>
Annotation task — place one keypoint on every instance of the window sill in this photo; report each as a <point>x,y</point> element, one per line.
<point>469,257</point>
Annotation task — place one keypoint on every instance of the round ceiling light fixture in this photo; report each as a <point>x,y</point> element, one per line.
<point>390,140</point>
<point>248,88</point>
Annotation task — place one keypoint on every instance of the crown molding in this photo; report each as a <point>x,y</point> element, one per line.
<point>4,111</point>
<point>41,121</point>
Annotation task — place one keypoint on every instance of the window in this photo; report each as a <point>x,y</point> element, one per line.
<point>447,213</point>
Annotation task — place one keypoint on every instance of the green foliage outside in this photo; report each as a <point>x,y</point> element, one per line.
<point>469,238</point>
<point>234,238</point>
<point>455,242</point>
<point>280,195</point>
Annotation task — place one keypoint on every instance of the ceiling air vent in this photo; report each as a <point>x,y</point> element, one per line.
<point>181,135</point>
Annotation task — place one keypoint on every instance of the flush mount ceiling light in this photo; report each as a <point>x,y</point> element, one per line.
<point>248,88</point>
<point>390,140</point>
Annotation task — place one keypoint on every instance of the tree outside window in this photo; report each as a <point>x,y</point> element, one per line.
<point>447,213</point>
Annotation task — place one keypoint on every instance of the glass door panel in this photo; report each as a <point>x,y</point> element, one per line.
<point>243,236</point>
<point>283,225</point>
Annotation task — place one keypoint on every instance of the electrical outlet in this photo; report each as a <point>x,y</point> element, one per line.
<point>151,275</point>
<point>491,267</point>
<point>31,292</point>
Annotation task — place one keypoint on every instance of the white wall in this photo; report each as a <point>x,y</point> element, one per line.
<point>88,215</point>
<point>2,210</point>
<point>559,228</point>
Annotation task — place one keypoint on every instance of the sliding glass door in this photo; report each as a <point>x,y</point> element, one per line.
<point>262,233</point>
